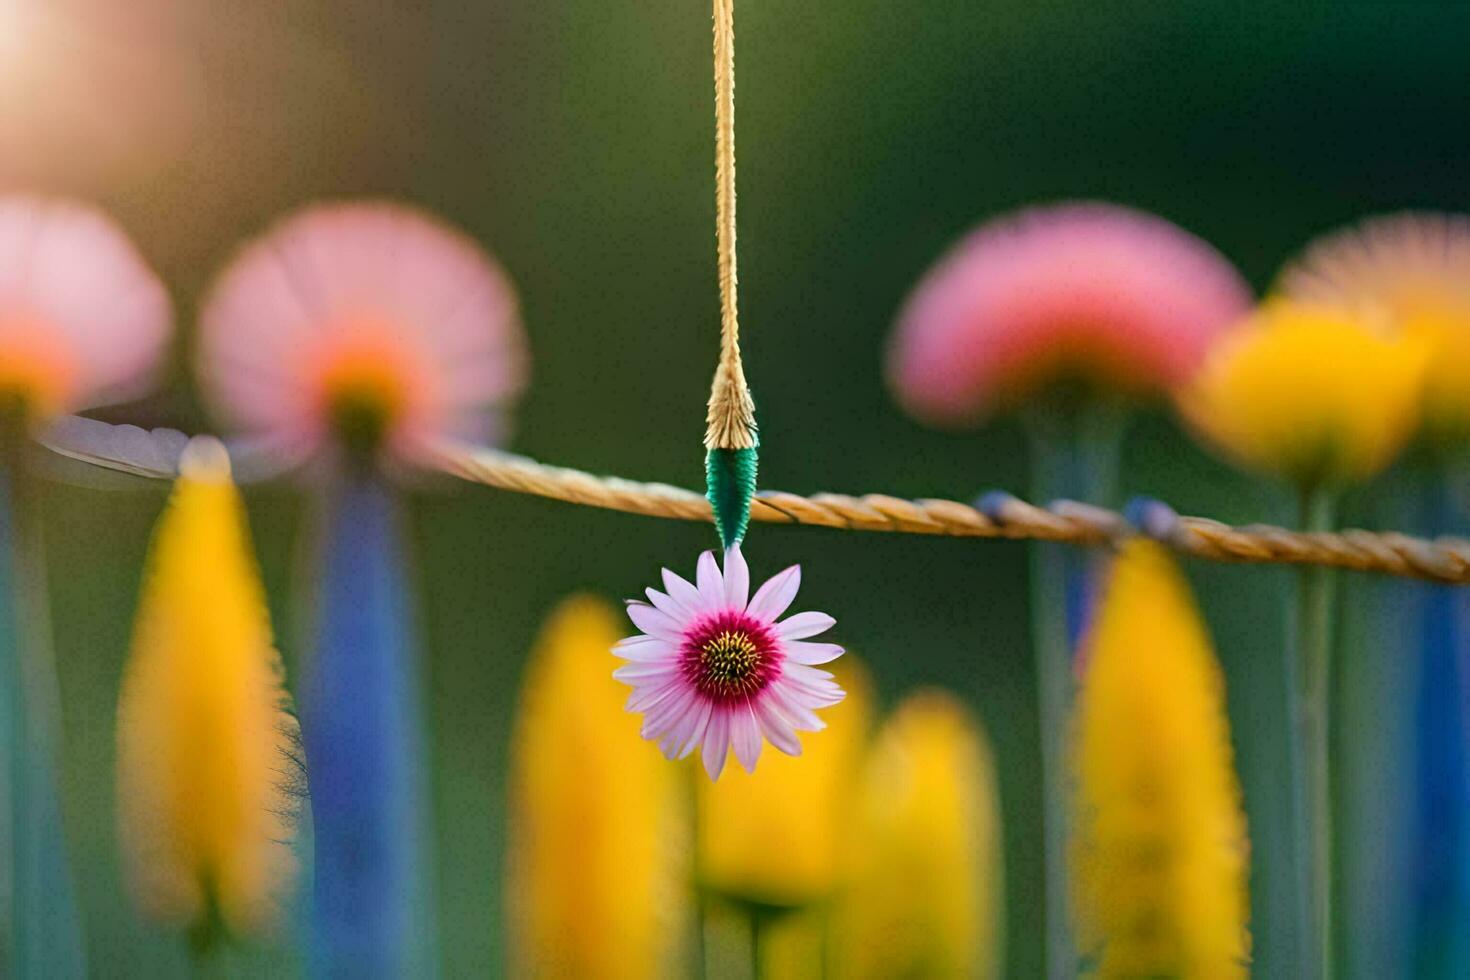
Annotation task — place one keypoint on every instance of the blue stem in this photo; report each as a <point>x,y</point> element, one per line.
<point>45,936</point>
<point>1441,839</point>
<point>372,910</point>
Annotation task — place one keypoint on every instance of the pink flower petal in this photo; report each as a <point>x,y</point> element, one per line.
<point>811,653</point>
<point>644,649</point>
<point>75,291</point>
<point>1134,301</point>
<point>646,672</point>
<point>737,578</point>
<point>668,606</point>
<point>716,742</point>
<point>745,734</point>
<point>792,707</point>
<point>812,696</point>
<point>659,719</point>
<point>338,280</point>
<point>776,728</point>
<point>654,729</point>
<point>805,624</point>
<point>696,731</point>
<point>814,687</point>
<point>774,597</point>
<point>647,697</point>
<point>654,623</point>
<point>682,592</point>
<point>711,583</point>
<point>808,675</point>
<point>677,736</point>
<point>679,730</point>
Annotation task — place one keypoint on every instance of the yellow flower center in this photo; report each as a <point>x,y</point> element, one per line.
<point>729,660</point>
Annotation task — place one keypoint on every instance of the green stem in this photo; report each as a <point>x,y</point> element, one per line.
<point>21,886</point>
<point>45,927</point>
<point>1054,694</point>
<point>1311,680</point>
<point>1074,455</point>
<point>757,943</point>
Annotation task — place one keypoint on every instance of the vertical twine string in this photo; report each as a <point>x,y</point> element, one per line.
<point>731,416</point>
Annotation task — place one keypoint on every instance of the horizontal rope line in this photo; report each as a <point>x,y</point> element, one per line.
<point>153,454</point>
<point>999,515</point>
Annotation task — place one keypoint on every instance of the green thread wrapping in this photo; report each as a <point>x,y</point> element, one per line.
<point>730,481</point>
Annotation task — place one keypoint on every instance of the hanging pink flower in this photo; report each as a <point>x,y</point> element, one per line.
<point>362,318</point>
<point>1113,298</point>
<point>83,320</point>
<point>714,667</point>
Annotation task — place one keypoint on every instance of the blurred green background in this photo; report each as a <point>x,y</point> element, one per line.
<point>573,137</point>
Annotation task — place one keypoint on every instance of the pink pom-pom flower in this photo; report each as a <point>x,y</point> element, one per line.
<point>369,322</point>
<point>717,667</point>
<point>1095,293</point>
<point>83,320</point>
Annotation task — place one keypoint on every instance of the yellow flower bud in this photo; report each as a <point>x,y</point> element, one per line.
<point>1316,394</point>
<point>925,894</point>
<point>597,876</point>
<point>1160,850</point>
<point>208,750</point>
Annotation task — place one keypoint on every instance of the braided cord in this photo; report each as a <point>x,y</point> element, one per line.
<point>998,515</point>
<point>730,419</point>
<point>90,449</point>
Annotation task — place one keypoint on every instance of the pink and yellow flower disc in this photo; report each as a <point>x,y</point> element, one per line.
<point>1412,273</point>
<point>717,667</point>
<point>83,320</point>
<point>1114,299</point>
<point>362,322</point>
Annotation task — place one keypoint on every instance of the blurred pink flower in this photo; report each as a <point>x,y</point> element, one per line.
<point>714,667</point>
<point>83,320</point>
<point>1092,292</point>
<point>362,312</point>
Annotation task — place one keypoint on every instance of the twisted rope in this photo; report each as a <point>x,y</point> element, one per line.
<point>997,515</point>
<point>730,418</point>
<point>93,447</point>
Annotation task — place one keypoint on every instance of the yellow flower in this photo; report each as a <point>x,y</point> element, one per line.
<point>208,749</point>
<point>1316,394</point>
<point>1160,857</point>
<point>1413,269</point>
<point>779,836</point>
<point>598,858</point>
<point>925,894</point>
